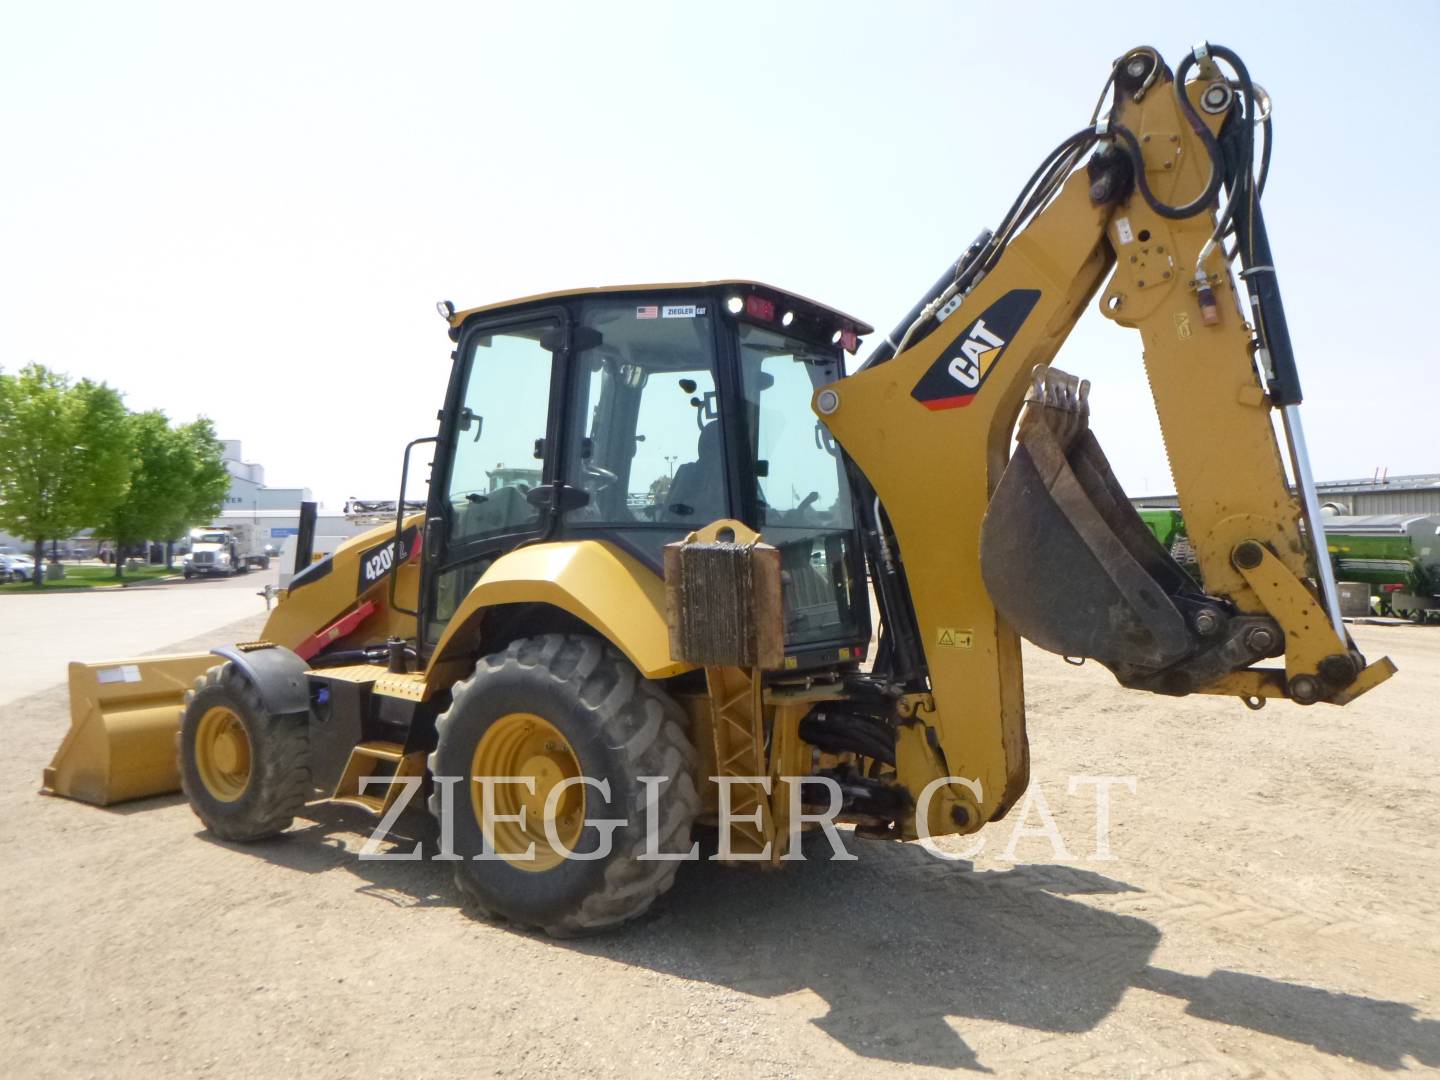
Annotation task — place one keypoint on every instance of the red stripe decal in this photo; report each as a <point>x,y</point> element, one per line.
<point>949,402</point>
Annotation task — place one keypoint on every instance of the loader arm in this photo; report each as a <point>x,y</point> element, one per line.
<point>1042,542</point>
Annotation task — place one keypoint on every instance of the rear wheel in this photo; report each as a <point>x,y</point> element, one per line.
<point>245,772</point>
<point>555,709</point>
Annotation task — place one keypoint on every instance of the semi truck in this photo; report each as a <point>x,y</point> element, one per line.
<point>225,549</point>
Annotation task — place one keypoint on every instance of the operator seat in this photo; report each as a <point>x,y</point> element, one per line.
<point>697,493</point>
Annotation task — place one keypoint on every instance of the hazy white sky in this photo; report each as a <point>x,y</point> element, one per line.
<point>249,211</point>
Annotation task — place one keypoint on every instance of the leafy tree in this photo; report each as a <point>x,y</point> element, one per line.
<point>178,480</point>
<point>64,454</point>
<point>157,493</point>
<point>207,481</point>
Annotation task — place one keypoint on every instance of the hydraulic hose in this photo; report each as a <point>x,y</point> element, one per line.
<point>1197,125</point>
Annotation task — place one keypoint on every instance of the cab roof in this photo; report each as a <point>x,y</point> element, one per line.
<point>840,320</point>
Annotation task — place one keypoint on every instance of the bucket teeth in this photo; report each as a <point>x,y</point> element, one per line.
<point>1059,389</point>
<point>1060,401</point>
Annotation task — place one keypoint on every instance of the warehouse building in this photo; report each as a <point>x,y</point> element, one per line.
<point>247,485</point>
<point>1381,494</point>
<point>1418,494</point>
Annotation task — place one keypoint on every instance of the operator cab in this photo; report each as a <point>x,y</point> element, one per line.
<point>635,415</point>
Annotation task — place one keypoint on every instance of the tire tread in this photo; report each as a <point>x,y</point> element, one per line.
<point>640,719</point>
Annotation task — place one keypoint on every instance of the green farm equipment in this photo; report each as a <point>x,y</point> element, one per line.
<point>1169,528</point>
<point>1398,555</point>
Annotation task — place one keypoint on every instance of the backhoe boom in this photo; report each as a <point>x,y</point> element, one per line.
<point>1043,543</point>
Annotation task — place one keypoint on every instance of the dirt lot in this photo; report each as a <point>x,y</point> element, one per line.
<point>1271,910</point>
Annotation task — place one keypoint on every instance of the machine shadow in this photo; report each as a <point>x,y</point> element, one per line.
<point>915,941</point>
<point>323,839</point>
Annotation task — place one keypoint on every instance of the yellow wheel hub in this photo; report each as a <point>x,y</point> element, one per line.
<point>526,745</point>
<point>222,753</point>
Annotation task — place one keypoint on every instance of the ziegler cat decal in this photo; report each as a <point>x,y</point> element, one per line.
<point>953,380</point>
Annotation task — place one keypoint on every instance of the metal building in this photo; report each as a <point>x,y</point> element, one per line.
<point>1418,494</point>
<point>1392,495</point>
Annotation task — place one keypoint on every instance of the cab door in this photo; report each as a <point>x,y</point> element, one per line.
<point>496,453</point>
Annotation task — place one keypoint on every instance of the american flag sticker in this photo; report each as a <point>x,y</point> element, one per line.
<point>648,311</point>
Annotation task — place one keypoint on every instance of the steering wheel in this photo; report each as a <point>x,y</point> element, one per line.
<point>604,476</point>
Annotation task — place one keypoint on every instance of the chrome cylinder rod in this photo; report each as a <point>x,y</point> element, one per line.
<point>1310,507</point>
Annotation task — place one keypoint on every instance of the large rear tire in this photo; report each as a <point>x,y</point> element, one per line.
<point>564,705</point>
<point>245,772</point>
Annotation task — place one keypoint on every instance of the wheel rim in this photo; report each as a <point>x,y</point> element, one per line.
<point>526,745</point>
<point>222,753</point>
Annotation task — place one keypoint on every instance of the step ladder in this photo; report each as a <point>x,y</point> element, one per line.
<point>387,760</point>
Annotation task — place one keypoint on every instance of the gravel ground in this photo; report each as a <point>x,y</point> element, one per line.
<point>1270,910</point>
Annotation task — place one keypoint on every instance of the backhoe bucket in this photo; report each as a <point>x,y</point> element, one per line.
<point>124,716</point>
<point>1065,557</point>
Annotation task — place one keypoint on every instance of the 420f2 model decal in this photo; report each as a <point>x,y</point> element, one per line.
<point>953,380</point>
<point>377,561</point>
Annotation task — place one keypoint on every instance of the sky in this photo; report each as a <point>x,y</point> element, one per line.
<point>249,211</point>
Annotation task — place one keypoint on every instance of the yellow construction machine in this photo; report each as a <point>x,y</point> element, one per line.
<point>639,598</point>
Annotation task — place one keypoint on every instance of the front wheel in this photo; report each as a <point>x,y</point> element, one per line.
<point>548,711</point>
<point>245,772</point>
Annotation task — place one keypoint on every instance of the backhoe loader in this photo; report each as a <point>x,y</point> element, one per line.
<point>639,598</point>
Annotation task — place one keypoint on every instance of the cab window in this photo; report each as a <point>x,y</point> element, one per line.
<point>500,435</point>
<point>647,448</point>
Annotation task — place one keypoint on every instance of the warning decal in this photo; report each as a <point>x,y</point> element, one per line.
<point>947,637</point>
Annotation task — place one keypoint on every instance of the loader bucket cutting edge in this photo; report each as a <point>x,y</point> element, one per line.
<point>124,716</point>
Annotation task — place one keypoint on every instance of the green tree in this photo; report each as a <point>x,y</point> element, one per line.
<point>206,485</point>
<point>64,454</point>
<point>178,479</point>
<point>159,476</point>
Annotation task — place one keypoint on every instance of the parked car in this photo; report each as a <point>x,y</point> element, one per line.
<point>16,568</point>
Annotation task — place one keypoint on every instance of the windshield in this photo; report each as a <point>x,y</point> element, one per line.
<point>804,499</point>
<point>212,538</point>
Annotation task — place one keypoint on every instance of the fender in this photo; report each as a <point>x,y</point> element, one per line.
<point>277,674</point>
<point>601,585</point>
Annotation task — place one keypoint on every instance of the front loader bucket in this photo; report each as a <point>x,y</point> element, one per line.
<point>1069,563</point>
<point>124,716</point>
